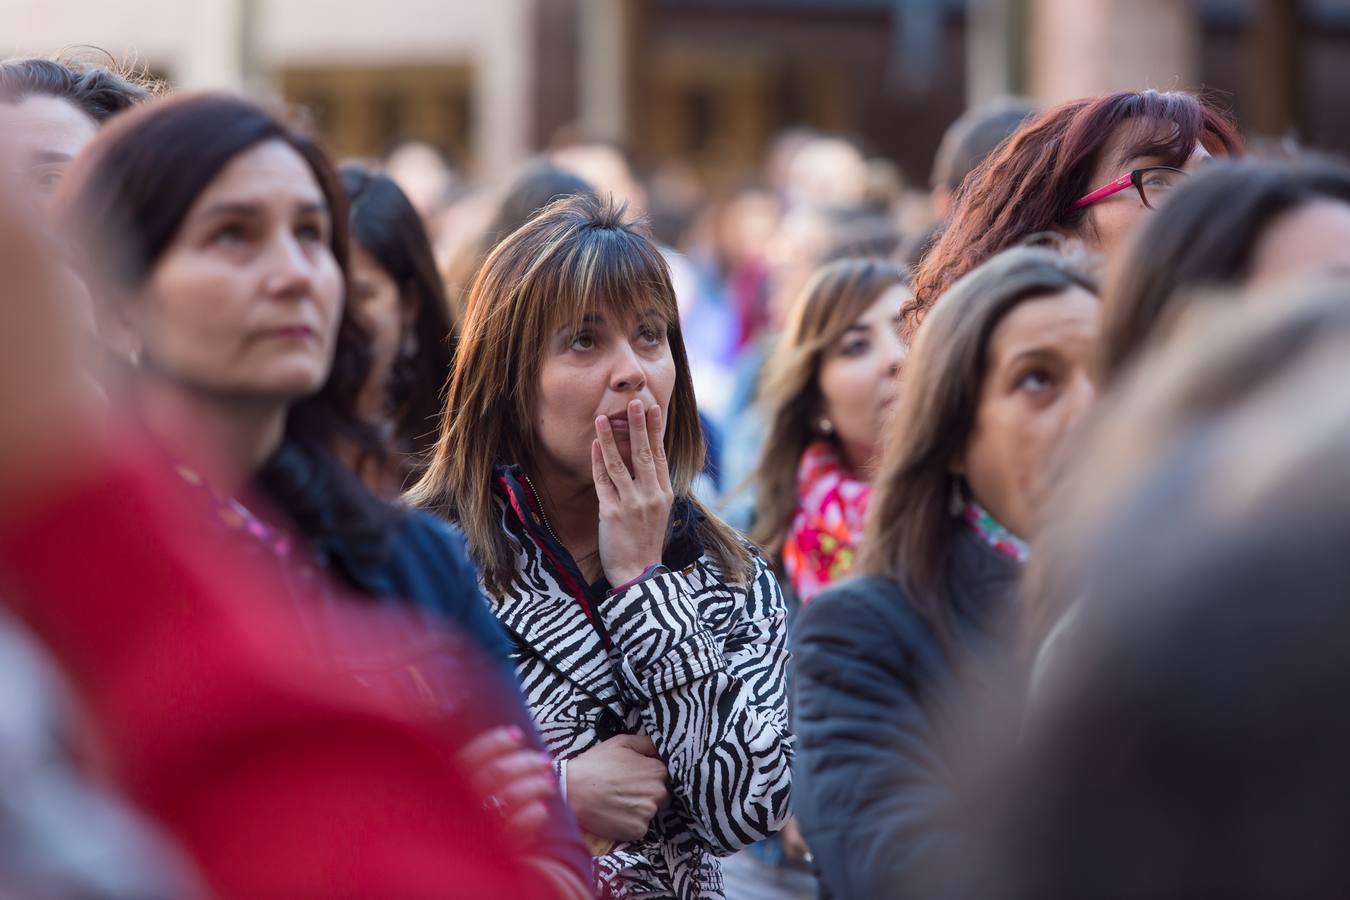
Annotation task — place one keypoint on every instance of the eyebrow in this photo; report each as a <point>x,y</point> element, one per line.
<point>50,156</point>
<point>253,208</point>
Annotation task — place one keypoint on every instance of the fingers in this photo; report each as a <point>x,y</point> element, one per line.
<point>615,471</point>
<point>491,745</point>
<point>644,463</point>
<point>530,819</point>
<point>656,428</point>
<point>514,767</point>
<point>605,488</point>
<point>523,791</point>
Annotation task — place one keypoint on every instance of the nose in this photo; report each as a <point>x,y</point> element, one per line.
<point>1081,395</point>
<point>289,273</point>
<point>894,355</point>
<point>627,375</point>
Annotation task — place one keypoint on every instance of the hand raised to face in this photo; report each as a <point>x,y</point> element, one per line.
<point>634,506</point>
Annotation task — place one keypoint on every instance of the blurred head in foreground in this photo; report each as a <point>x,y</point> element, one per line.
<point>1193,740</point>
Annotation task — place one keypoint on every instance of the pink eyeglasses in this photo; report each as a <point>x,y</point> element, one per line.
<point>1152,182</point>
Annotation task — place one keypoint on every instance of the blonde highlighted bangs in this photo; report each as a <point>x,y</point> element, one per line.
<point>578,257</point>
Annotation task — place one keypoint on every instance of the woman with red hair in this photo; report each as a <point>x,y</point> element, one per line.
<point>1088,170</point>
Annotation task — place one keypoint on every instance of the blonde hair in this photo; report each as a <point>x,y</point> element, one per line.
<point>575,257</point>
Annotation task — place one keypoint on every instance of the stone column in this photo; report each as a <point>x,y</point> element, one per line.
<point>1082,47</point>
<point>503,96</point>
<point>602,59</point>
<point>219,35</point>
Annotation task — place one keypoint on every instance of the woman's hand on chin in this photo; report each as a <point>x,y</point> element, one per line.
<point>634,506</point>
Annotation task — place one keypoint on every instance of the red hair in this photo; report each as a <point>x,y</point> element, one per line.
<point>1028,185</point>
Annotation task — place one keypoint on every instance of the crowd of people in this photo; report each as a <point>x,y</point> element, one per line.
<point>369,532</point>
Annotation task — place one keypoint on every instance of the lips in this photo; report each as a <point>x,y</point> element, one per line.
<point>619,422</point>
<point>296,332</point>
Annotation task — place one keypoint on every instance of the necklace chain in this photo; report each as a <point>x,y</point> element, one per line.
<point>543,517</point>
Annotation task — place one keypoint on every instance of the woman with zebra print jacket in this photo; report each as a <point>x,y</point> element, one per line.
<point>650,639</point>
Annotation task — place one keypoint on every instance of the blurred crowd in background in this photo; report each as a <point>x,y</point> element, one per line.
<point>759,519</point>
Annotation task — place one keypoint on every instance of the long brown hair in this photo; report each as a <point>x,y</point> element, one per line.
<point>910,527</point>
<point>835,297</point>
<point>1029,184</point>
<point>577,256</point>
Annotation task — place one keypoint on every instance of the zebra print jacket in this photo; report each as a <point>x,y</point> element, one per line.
<point>695,664</point>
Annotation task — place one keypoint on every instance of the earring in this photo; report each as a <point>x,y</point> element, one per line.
<point>409,348</point>
<point>134,358</point>
<point>956,503</point>
<point>826,426</point>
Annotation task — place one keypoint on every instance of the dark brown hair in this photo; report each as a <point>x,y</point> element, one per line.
<point>577,256</point>
<point>835,297</point>
<point>385,224</point>
<point>1029,184</point>
<point>98,91</point>
<point>1205,241</point>
<point>123,201</point>
<point>910,527</point>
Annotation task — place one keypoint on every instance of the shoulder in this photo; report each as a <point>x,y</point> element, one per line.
<point>862,614</point>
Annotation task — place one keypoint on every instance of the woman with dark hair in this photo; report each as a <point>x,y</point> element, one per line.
<point>399,299</point>
<point>1089,169</point>
<point>1200,703</point>
<point>829,392</point>
<point>539,185</point>
<point>997,378</point>
<point>215,238</point>
<point>1237,223</point>
<point>648,635</point>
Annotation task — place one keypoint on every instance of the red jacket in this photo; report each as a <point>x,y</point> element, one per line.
<point>269,773</point>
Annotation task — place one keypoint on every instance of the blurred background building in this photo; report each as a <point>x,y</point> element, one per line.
<point>709,82</point>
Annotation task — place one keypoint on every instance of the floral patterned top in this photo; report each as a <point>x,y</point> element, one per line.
<point>992,532</point>
<point>827,528</point>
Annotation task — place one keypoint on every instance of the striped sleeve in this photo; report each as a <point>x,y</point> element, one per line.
<point>706,665</point>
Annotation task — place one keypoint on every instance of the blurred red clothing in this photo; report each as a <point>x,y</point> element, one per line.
<point>271,775</point>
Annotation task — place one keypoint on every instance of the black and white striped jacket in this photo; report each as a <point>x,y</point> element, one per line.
<point>695,664</point>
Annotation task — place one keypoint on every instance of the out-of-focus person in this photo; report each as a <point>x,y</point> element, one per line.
<point>183,656</point>
<point>1091,171</point>
<point>215,237</point>
<point>1248,223</point>
<point>1199,703</point>
<point>999,376</point>
<point>649,637</point>
<point>397,295</point>
<point>51,108</point>
<point>829,393</point>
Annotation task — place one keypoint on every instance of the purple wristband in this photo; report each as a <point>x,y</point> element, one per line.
<point>632,581</point>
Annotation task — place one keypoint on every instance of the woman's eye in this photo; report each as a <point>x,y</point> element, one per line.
<point>854,348</point>
<point>228,235</point>
<point>583,342</point>
<point>1035,382</point>
<point>310,233</point>
<point>651,336</point>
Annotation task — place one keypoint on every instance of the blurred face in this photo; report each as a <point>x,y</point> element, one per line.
<point>41,135</point>
<point>377,305</point>
<point>858,379</point>
<point>1312,240</point>
<point>246,301</point>
<point>1036,387</point>
<point>1111,220</point>
<point>596,370</point>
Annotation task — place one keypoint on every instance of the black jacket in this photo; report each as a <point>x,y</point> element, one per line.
<point>872,786</point>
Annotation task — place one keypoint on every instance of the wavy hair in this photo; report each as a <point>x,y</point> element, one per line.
<point>1028,185</point>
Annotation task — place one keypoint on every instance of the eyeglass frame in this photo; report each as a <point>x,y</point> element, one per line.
<point>1133,177</point>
